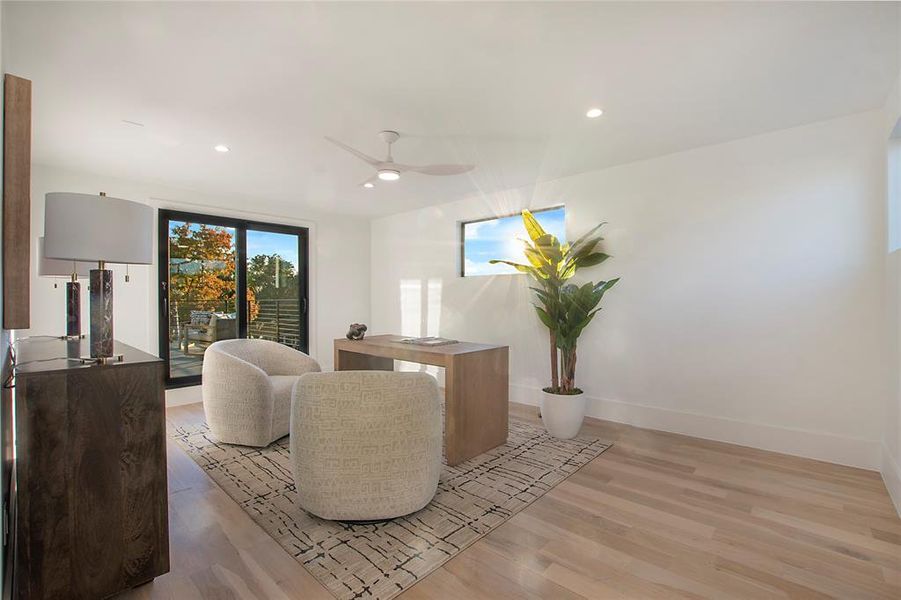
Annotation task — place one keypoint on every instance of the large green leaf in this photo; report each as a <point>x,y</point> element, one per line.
<point>549,246</point>
<point>586,247</point>
<point>535,257</point>
<point>546,318</point>
<point>521,268</point>
<point>533,227</point>
<point>567,270</point>
<point>582,240</point>
<point>590,260</point>
<point>544,296</point>
<point>603,286</point>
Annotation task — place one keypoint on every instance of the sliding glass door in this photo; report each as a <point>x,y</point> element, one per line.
<point>207,264</point>
<point>275,304</point>
<point>202,288</point>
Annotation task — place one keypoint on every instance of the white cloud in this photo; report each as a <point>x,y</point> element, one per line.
<point>474,231</point>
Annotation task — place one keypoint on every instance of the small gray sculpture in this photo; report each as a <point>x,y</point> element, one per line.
<point>357,331</point>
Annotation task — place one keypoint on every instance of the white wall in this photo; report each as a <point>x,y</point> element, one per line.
<point>751,308</point>
<point>339,264</point>
<point>891,440</point>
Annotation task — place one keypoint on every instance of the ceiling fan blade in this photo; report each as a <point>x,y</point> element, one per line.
<point>437,169</point>
<point>355,152</point>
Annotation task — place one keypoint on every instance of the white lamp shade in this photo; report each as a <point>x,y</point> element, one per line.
<point>94,228</point>
<point>57,267</point>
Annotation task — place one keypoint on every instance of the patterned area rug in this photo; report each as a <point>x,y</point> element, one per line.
<point>381,560</point>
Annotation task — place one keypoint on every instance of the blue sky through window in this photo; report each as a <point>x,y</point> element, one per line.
<point>268,243</point>
<point>499,238</point>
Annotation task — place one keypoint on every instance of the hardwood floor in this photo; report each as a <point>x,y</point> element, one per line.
<point>657,516</point>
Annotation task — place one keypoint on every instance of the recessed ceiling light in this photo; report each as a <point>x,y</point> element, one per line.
<point>220,148</point>
<point>594,113</point>
<point>389,175</point>
<point>368,184</point>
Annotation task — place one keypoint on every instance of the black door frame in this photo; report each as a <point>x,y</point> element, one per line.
<point>241,226</point>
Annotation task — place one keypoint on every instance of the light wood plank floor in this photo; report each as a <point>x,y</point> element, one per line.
<point>657,516</point>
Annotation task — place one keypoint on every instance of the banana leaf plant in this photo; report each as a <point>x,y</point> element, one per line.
<point>564,308</point>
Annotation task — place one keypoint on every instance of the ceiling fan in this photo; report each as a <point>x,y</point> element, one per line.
<point>388,170</point>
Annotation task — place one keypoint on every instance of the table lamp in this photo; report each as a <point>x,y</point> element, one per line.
<point>73,269</point>
<point>98,229</point>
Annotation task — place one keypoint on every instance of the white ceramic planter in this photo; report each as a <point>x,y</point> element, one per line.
<point>563,414</point>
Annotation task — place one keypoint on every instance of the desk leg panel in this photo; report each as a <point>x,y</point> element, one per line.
<point>476,403</point>
<point>354,361</point>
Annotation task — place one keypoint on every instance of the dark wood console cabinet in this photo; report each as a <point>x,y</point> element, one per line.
<point>91,494</point>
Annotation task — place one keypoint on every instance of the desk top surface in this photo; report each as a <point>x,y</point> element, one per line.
<point>47,354</point>
<point>382,343</point>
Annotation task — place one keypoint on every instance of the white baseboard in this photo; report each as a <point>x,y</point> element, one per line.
<point>184,395</point>
<point>891,475</point>
<point>798,442</point>
<point>808,444</point>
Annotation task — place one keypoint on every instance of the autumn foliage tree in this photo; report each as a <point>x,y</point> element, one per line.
<point>202,271</point>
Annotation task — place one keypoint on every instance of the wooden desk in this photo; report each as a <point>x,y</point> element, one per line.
<point>476,386</point>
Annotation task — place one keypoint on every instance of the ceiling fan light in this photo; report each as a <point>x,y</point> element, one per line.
<point>389,175</point>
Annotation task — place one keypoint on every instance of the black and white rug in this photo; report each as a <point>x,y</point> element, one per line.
<point>381,560</point>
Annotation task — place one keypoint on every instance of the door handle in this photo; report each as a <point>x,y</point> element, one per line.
<point>164,288</point>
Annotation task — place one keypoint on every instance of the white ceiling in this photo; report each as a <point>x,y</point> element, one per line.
<point>504,86</point>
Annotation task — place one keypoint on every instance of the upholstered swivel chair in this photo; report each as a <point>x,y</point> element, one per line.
<point>365,445</point>
<point>247,387</point>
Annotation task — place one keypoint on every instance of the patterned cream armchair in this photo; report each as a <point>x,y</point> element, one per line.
<point>365,445</point>
<point>247,387</point>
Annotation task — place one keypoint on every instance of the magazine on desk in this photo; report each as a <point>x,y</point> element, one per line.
<point>428,341</point>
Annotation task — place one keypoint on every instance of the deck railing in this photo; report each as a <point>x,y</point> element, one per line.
<point>278,320</point>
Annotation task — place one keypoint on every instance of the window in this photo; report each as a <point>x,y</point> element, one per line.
<point>500,237</point>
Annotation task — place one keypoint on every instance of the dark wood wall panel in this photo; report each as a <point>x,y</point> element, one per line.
<point>16,201</point>
<point>9,481</point>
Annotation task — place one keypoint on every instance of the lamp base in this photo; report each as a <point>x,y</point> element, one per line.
<point>101,360</point>
<point>101,313</point>
<point>73,309</point>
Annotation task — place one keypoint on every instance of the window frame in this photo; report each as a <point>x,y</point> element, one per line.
<point>461,228</point>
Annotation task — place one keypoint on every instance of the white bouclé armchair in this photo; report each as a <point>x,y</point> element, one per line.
<point>247,387</point>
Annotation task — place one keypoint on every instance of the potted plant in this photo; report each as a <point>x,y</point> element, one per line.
<point>566,310</point>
